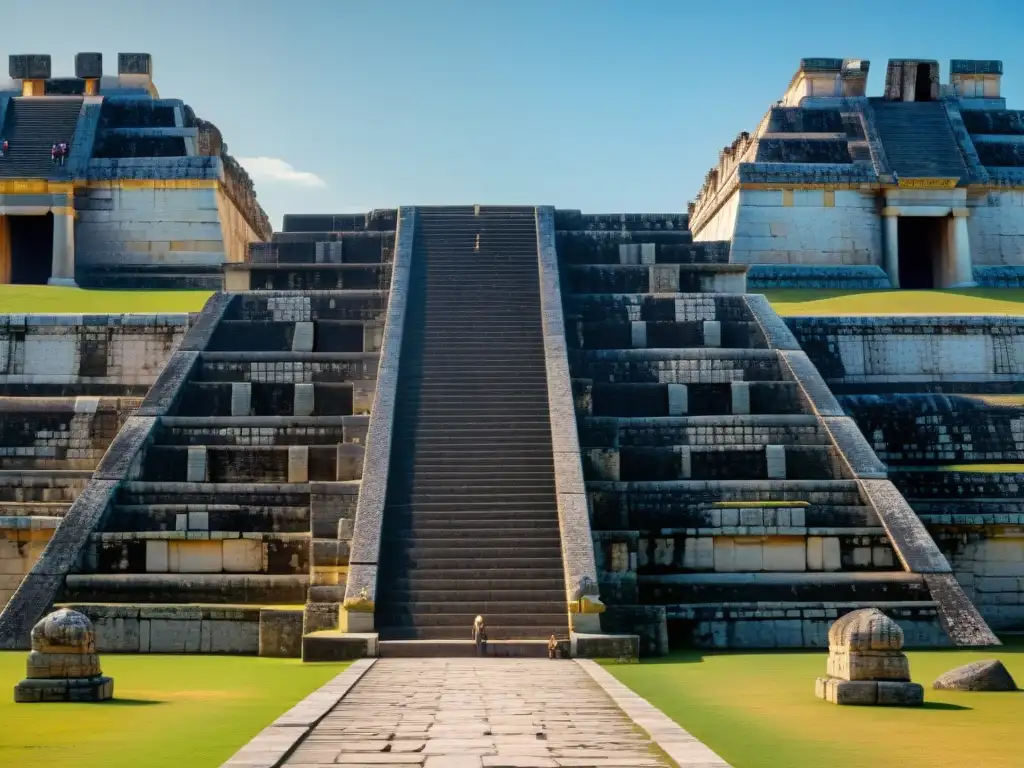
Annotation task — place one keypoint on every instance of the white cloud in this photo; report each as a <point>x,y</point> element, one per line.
<point>274,170</point>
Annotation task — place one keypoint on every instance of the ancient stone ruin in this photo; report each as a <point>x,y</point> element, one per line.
<point>990,675</point>
<point>63,664</point>
<point>866,663</point>
<point>573,424</point>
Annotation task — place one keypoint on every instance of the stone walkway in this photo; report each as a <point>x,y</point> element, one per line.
<point>475,713</point>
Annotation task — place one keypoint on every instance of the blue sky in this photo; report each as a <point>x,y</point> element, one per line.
<point>603,105</point>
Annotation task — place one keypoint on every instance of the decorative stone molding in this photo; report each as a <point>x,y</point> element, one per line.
<point>361,587</point>
<point>573,515</point>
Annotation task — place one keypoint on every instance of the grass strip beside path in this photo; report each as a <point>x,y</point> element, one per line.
<point>758,710</point>
<point>167,712</point>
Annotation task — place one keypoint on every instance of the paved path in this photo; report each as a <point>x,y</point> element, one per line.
<point>469,713</point>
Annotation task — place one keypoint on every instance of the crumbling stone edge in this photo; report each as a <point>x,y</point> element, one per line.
<point>582,591</point>
<point>913,545</point>
<point>122,461</point>
<point>671,738</point>
<point>275,743</point>
<point>361,585</point>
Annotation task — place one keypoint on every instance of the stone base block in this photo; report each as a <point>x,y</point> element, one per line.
<point>623,648</point>
<point>869,692</point>
<point>62,666</point>
<point>333,645</point>
<point>81,689</point>
<point>281,633</point>
<point>869,665</point>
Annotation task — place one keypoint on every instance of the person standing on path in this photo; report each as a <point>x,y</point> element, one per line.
<point>480,636</point>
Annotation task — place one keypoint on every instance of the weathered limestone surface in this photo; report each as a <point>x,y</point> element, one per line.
<point>63,664</point>
<point>360,590</point>
<point>866,664</point>
<point>988,675</point>
<point>574,522</point>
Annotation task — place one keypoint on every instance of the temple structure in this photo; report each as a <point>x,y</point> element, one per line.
<point>576,424</point>
<point>147,195</point>
<point>922,187</point>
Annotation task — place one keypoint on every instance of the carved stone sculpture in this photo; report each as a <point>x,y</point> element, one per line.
<point>63,664</point>
<point>866,663</point>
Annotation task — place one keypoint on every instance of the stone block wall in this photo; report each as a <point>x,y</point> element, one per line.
<point>123,231</point>
<point>933,396</point>
<point>22,540</point>
<point>837,228</point>
<point>47,355</point>
<point>907,354</point>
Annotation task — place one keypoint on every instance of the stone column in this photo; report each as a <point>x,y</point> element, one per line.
<point>891,246</point>
<point>63,270</point>
<point>960,246</point>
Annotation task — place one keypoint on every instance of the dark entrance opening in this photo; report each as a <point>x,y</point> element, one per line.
<point>920,249</point>
<point>31,249</point>
<point>923,84</point>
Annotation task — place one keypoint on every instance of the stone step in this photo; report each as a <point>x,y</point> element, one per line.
<point>479,567</point>
<point>417,550</point>
<point>472,519</point>
<point>498,623</point>
<point>538,581</point>
<point>470,593</point>
<point>186,588</point>
<point>240,517</point>
<point>544,503</point>
<point>479,497</point>
<point>432,649</point>
<point>495,634</point>
<point>463,606</point>
<point>779,587</point>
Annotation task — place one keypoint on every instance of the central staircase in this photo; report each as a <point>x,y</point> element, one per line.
<point>471,523</point>
<point>918,139</point>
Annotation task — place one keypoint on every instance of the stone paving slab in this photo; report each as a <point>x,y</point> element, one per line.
<point>271,745</point>
<point>475,713</point>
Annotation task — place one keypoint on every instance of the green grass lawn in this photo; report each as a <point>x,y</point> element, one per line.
<point>168,711</point>
<point>759,711</point>
<point>979,301</point>
<point>46,299</point>
<point>984,301</point>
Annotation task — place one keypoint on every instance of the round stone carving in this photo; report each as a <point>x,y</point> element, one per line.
<point>989,675</point>
<point>866,630</point>
<point>63,664</point>
<point>64,631</point>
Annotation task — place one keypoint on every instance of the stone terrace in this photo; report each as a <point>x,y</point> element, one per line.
<point>731,502</point>
<point>67,385</point>
<point>935,396</point>
<point>234,484</point>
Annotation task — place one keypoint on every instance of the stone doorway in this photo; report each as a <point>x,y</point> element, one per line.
<point>922,247</point>
<point>30,249</point>
<point>923,84</point>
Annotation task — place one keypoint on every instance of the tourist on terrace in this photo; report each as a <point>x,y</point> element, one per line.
<point>552,647</point>
<point>480,636</point>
